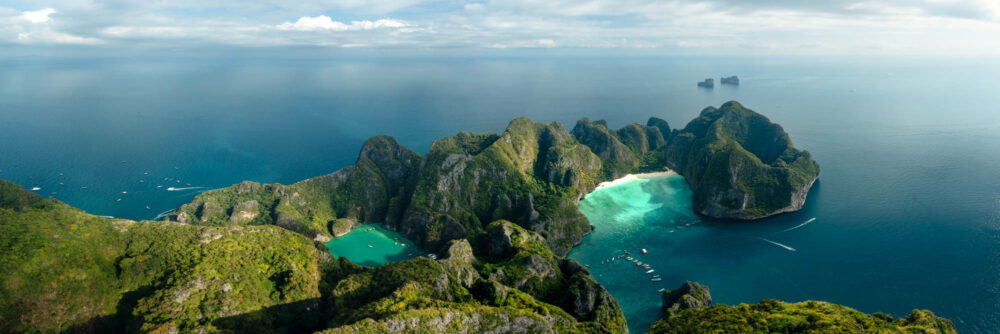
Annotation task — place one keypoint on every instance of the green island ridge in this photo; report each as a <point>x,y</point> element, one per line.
<point>499,211</point>
<point>688,309</point>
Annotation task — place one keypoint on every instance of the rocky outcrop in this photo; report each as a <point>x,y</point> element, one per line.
<point>469,180</point>
<point>341,226</point>
<point>688,296</point>
<point>617,157</point>
<point>740,165</point>
<point>526,264</point>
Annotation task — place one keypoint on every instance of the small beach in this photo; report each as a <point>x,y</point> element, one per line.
<point>633,177</point>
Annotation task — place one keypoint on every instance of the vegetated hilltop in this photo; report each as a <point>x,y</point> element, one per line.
<point>687,310</point>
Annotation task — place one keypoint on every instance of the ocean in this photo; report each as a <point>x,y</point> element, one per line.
<point>907,209</point>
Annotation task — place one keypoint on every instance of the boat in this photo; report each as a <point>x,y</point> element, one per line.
<point>370,246</point>
<point>644,251</point>
<point>661,290</point>
<point>432,256</point>
<point>36,189</point>
<point>629,258</point>
<point>655,279</point>
<point>650,271</point>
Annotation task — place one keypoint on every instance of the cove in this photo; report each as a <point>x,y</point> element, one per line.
<point>631,214</point>
<point>384,247</point>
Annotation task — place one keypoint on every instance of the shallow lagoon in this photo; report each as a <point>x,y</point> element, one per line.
<point>383,243</point>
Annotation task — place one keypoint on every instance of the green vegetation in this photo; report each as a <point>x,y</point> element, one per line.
<point>739,164</point>
<point>771,316</point>
<point>500,210</point>
<point>66,270</point>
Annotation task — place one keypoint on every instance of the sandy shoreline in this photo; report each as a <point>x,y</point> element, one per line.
<point>633,177</point>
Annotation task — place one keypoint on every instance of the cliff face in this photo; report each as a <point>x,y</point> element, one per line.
<point>690,295</point>
<point>531,174</point>
<point>740,165</point>
<point>373,190</point>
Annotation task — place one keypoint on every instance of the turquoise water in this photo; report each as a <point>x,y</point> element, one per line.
<point>654,214</point>
<point>907,208</point>
<point>385,246</point>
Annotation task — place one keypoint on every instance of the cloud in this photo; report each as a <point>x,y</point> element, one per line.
<point>38,16</point>
<point>324,22</point>
<point>952,27</point>
<point>36,27</point>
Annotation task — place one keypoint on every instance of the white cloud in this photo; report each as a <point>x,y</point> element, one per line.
<point>324,22</point>
<point>952,27</point>
<point>36,27</point>
<point>38,16</point>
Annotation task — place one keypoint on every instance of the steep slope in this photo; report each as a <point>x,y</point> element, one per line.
<point>739,164</point>
<point>67,270</point>
<point>468,293</point>
<point>374,189</point>
<point>531,174</point>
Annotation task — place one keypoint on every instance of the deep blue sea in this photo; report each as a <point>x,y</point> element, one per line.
<point>907,207</point>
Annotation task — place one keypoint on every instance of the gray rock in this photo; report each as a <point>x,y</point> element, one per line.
<point>689,295</point>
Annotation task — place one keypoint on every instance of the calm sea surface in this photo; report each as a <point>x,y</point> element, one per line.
<point>907,208</point>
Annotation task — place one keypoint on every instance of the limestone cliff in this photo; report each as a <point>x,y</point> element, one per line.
<point>739,164</point>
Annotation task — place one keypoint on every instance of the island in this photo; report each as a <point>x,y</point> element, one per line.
<point>498,212</point>
<point>733,80</point>
<point>708,83</point>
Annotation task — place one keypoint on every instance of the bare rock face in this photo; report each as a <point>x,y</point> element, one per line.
<point>689,295</point>
<point>341,226</point>
<point>503,237</point>
<point>209,210</point>
<point>458,259</point>
<point>245,212</point>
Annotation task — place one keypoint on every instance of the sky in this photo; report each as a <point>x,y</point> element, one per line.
<point>689,27</point>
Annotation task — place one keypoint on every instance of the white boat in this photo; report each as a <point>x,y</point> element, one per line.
<point>644,251</point>
<point>656,279</point>
<point>370,246</point>
<point>650,271</point>
<point>36,189</point>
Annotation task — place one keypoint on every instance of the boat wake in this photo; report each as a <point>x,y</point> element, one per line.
<point>182,189</point>
<point>164,214</point>
<point>778,244</point>
<point>799,225</point>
